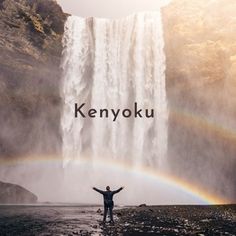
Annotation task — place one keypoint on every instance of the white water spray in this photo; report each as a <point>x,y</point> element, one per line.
<point>113,64</point>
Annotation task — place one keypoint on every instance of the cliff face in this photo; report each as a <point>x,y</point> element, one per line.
<point>30,45</point>
<point>200,38</point>
<point>200,48</point>
<point>15,194</point>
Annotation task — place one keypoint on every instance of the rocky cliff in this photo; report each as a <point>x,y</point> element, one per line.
<point>200,48</point>
<point>30,45</point>
<point>15,194</point>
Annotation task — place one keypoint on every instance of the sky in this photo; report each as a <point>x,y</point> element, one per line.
<point>109,8</point>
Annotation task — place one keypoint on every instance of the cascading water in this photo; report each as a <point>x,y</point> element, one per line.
<point>112,64</point>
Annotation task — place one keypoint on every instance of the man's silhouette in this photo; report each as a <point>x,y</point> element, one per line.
<point>108,201</point>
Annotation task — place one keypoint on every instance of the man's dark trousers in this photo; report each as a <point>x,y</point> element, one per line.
<point>108,207</point>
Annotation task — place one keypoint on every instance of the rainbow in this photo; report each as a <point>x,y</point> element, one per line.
<point>147,172</point>
<point>144,172</point>
<point>202,123</point>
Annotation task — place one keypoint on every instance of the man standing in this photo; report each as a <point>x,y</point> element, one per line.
<point>108,201</point>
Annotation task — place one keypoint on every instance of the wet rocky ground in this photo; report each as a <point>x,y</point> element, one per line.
<point>145,220</point>
<point>177,220</point>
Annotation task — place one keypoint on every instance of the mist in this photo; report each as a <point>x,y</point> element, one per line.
<point>200,88</point>
<point>54,184</point>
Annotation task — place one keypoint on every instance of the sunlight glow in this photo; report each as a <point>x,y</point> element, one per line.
<point>109,8</point>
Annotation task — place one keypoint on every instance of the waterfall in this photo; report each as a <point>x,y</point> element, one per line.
<point>113,64</point>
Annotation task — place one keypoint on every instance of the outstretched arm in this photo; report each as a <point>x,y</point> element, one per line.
<point>98,190</point>
<point>118,190</point>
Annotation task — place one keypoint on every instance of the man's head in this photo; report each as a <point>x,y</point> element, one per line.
<point>107,188</point>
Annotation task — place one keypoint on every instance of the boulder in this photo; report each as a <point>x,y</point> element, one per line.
<point>15,194</point>
<point>142,205</point>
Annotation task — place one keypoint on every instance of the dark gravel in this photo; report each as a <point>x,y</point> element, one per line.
<point>145,220</point>
<point>177,220</point>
